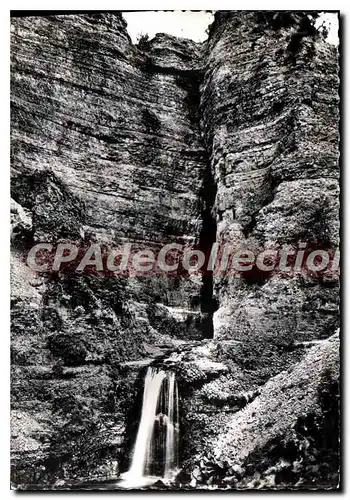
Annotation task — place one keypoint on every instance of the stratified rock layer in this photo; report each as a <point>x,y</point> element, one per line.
<point>105,148</point>
<point>269,106</point>
<point>269,115</point>
<point>234,141</point>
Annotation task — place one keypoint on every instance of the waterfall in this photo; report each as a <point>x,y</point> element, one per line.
<point>155,453</point>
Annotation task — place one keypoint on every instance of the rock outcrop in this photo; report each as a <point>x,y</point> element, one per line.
<point>270,116</point>
<point>285,435</point>
<point>106,148</point>
<point>233,140</point>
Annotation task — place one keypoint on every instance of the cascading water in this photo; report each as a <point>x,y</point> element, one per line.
<point>156,449</point>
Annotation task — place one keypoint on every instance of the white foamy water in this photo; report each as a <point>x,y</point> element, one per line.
<point>155,453</point>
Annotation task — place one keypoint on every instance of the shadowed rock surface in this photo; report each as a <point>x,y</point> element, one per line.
<point>234,140</point>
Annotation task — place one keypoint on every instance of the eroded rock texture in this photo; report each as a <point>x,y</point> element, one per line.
<point>105,148</point>
<point>282,434</point>
<point>270,115</point>
<point>234,140</point>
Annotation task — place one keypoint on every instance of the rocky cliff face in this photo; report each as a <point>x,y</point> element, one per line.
<point>233,141</point>
<point>270,116</point>
<point>106,148</point>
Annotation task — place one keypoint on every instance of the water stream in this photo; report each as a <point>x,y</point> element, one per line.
<point>156,450</point>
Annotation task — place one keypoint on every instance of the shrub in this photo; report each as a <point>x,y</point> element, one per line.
<point>143,41</point>
<point>71,349</point>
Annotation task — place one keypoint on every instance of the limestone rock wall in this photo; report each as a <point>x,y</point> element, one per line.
<point>269,115</point>
<point>282,435</point>
<point>234,140</point>
<point>105,148</point>
<point>269,106</point>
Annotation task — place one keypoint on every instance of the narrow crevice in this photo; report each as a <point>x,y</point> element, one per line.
<point>206,240</point>
<point>191,81</point>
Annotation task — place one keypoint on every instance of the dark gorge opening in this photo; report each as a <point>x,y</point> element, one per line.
<point>206,240</point>
<point>190,81</point>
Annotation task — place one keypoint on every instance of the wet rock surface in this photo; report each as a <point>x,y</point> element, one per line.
<point>171,141</point>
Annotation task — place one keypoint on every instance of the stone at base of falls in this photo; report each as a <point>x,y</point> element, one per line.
<point>159,484</point>
<point>182,478</point>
